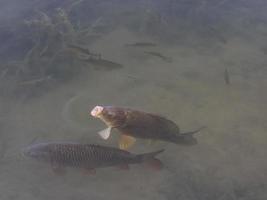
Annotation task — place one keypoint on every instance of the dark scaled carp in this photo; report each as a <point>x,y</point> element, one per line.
<point>88,156</point>
<point>137,124</point>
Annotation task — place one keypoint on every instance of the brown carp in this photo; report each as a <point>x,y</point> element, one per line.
<point>137,124</point>
<point>88,156</point>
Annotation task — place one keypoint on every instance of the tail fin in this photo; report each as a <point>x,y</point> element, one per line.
<point>187,138</point>
<point>150,160</point>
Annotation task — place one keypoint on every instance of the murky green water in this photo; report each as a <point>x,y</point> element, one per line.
<point>205,64</point>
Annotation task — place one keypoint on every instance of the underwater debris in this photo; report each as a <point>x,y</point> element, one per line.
<point>3,73</point>
<point>3,148</point>
<point>12,69</point>
<point>213,32</point>
<point>63,24</point>
<point>36,81</point>
<point>226,77</point>
<point>159,55</point>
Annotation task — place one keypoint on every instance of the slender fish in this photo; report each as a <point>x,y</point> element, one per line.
<point>141,44</point>
<point>102,63</point>
<point>159,55</point>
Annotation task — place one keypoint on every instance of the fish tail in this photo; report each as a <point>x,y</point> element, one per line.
<point>149,159</point>
<point>188,137</point>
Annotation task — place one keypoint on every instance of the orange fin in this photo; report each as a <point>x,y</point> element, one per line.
<point>126,141</point>
<point>123,166</point>
<point>149,159</point>
<point>154,164</point>
<point>91,171</point>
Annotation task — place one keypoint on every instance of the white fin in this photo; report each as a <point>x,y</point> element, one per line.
<point>105,133</point>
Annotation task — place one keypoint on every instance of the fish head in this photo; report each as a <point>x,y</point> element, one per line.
<point>111,116</point>
<point>37,151</point>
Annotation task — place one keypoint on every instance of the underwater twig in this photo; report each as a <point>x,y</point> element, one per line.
<point>226,77</point>
<point>63,19</point>
<point>43,51</point>
<point>34,81</point>
<point>3,73</point>
<point>73,4</point>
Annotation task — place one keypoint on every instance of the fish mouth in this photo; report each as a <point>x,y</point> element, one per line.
<point>96,112</point>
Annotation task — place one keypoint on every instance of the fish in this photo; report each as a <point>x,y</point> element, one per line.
<point>88,156</point>
<point>159,55</point>
<point>78,48</point>
<point>134,124</point>
<point>98,63</point>
<point>141,44</point>
<point>83,50</point>
<point>226,77</point>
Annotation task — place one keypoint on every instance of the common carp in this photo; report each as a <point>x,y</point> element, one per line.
<point>137,124</point>
<point>88,156</point>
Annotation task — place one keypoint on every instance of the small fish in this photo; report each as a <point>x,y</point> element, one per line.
<point>83,50</point>
<point>159,55</point>
<point>137,124</point>
<point>98,63</point>
<point>88,156</point>
<point>226,77</point>
<point>141,44</point>
<point>78,48</point>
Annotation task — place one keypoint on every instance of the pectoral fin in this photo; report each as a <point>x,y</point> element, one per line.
<point>105,133</point>
<point>126,141</point>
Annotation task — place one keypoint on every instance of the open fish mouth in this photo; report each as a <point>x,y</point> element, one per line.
<point>96,112</point>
